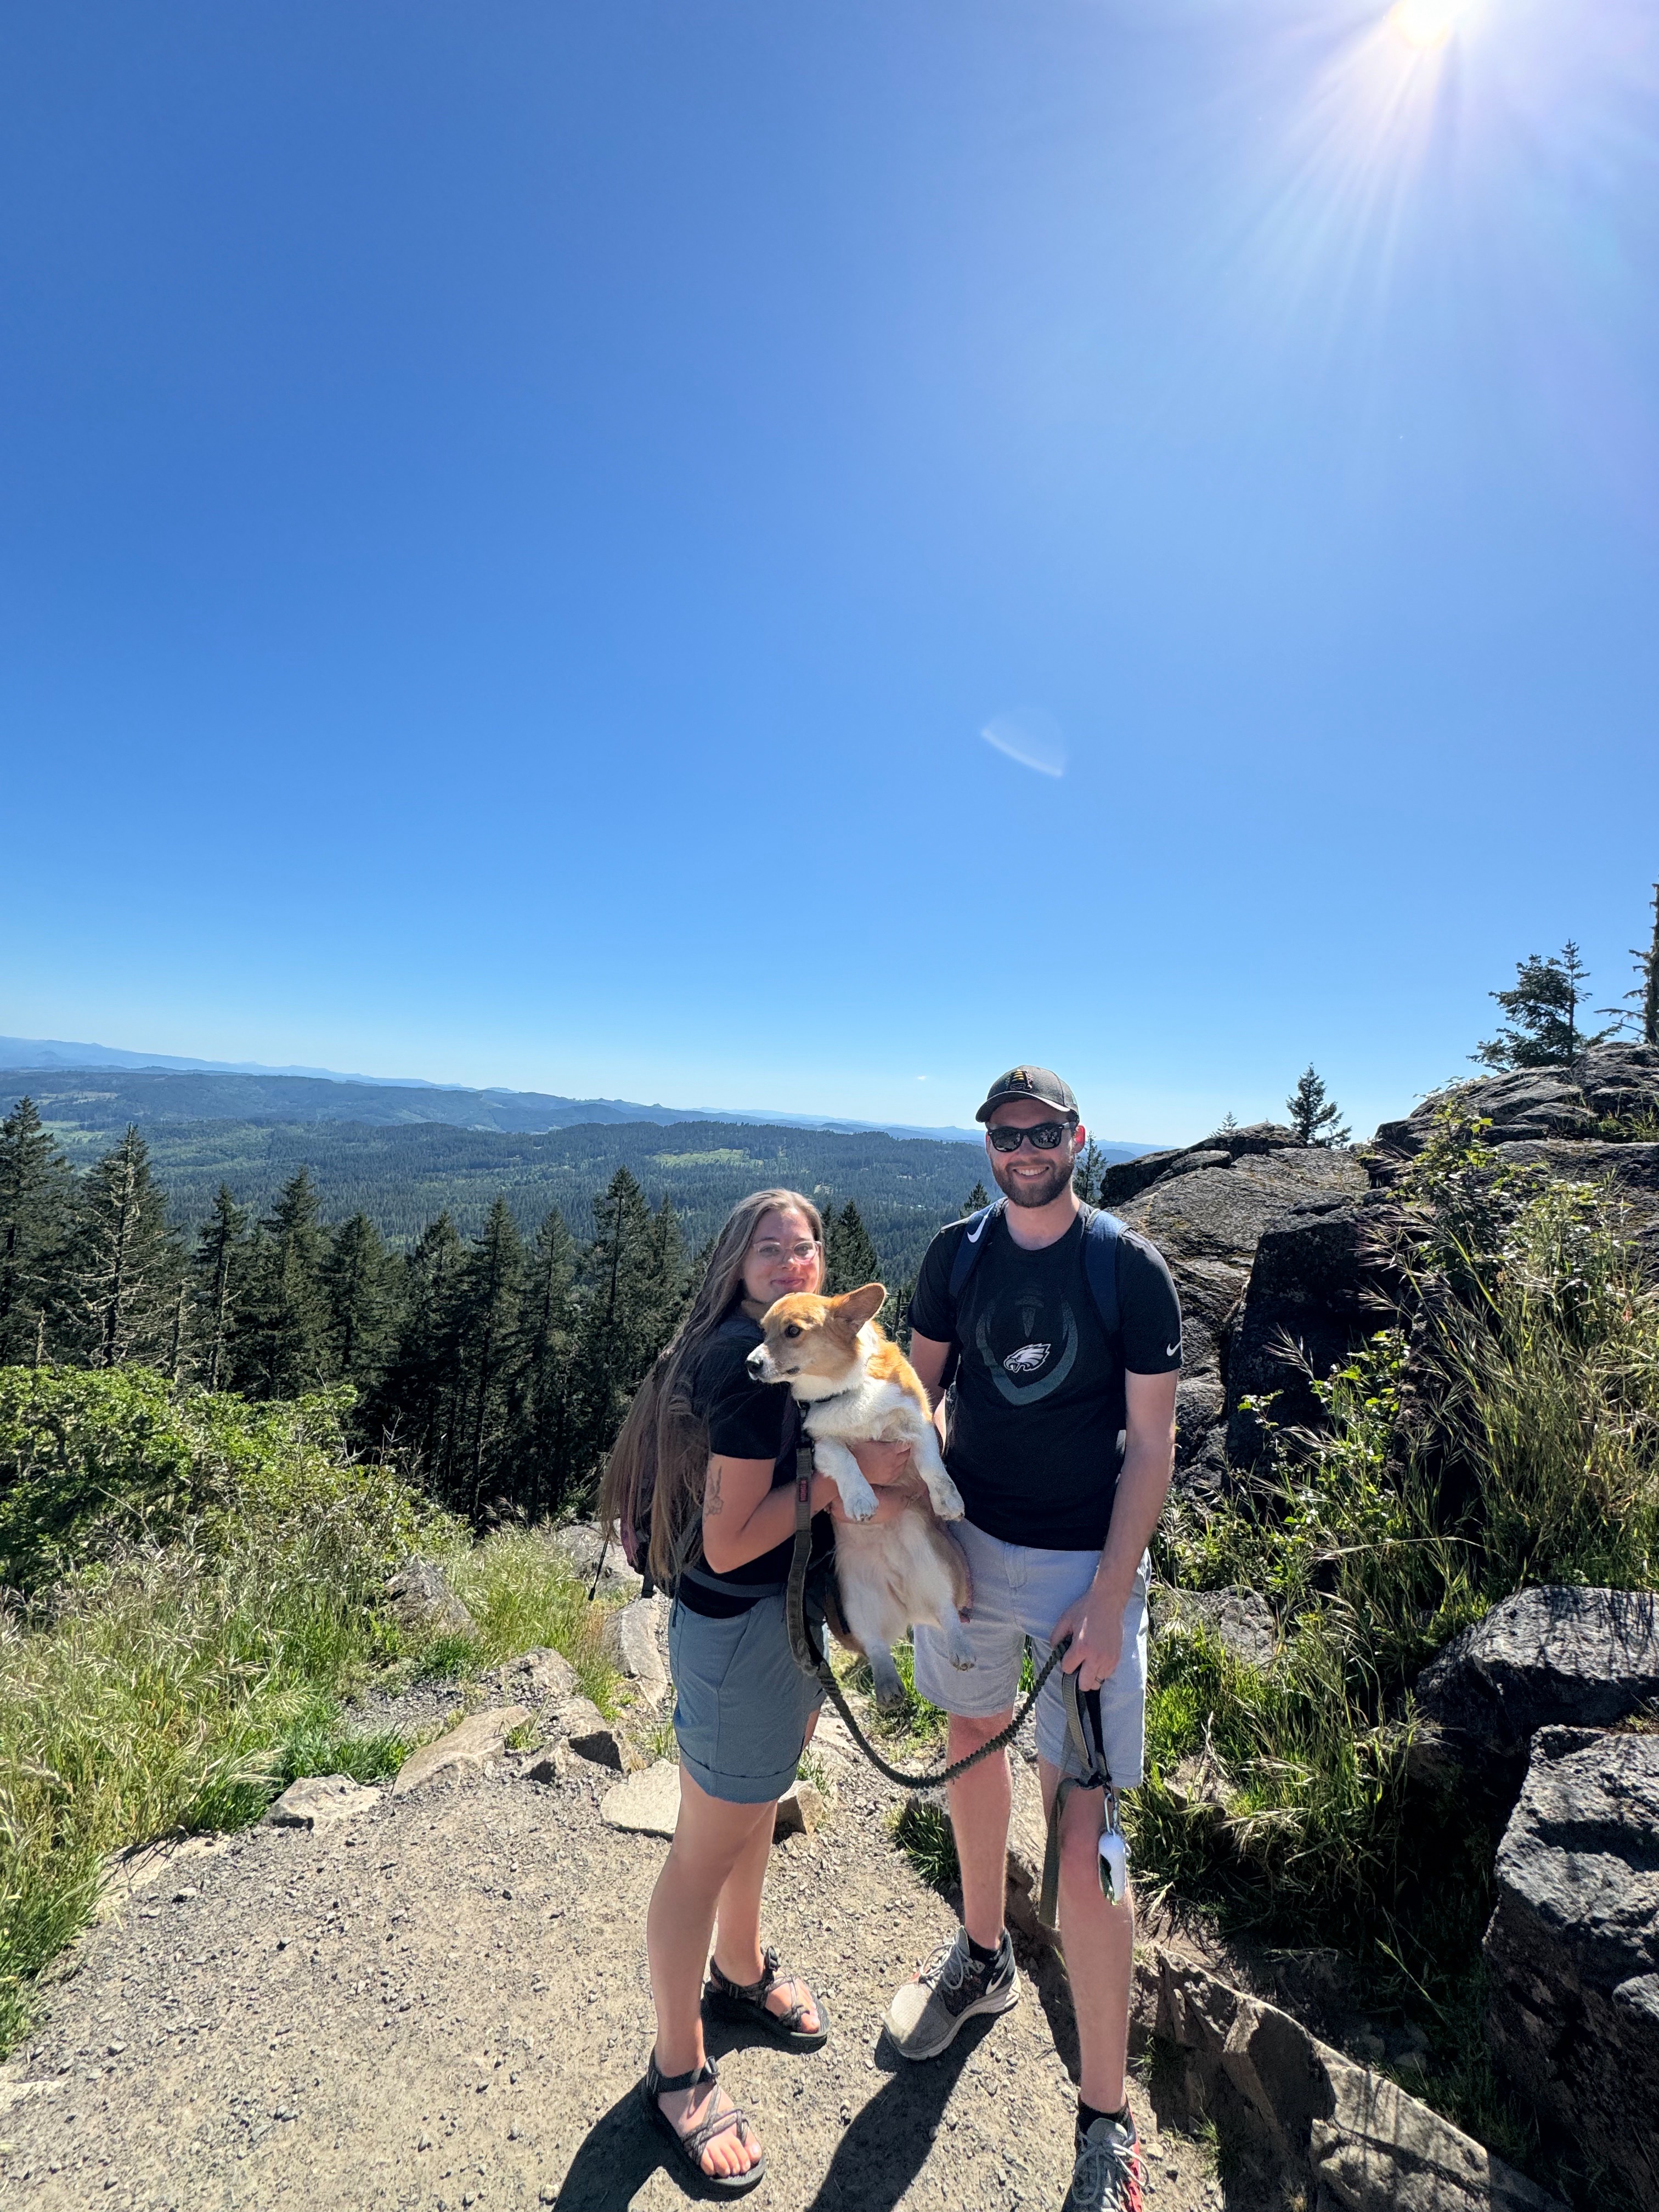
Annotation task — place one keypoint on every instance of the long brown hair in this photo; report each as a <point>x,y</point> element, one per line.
<point>662,1449</point>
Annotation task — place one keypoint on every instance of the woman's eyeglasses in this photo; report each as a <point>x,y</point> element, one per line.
<point>770,1253</point>
<point>1045,1138</point>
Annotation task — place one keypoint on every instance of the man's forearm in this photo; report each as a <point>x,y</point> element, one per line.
<point>1143,1485</point>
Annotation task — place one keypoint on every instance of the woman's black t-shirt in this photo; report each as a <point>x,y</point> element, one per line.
<point>746,1420</point>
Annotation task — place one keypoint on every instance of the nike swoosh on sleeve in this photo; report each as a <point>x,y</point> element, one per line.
<point>1170,1350</point>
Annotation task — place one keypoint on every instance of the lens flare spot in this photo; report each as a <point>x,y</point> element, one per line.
<point>1030,735</point>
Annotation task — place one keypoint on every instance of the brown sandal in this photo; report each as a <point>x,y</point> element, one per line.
<point>692,2144</point>
<point>746,2002</point>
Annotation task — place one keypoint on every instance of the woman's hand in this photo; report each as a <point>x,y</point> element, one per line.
<point>881,1465</point>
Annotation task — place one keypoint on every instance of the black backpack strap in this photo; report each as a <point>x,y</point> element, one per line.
<point>971,1244</point>
<point>1100,1233</point>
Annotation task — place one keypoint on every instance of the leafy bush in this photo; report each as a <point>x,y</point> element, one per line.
<point>204,1583</point>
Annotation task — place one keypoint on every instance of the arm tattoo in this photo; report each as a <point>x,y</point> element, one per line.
<point>711,1504</point>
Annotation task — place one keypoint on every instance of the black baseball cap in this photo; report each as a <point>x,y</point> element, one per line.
<point>1039,1083</point>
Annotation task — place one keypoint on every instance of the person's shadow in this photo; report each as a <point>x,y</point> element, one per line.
<point>883,2151</point>
<point>875,2162</point>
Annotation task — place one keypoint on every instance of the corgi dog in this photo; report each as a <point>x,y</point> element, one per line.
<point>856,1386</point>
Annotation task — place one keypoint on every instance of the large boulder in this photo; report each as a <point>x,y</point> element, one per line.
<point>601,1565</point>
<point>1321,1284</point>
<point>1612,1090</point>
<point>1572,1952</point>
<point>1584,1657</point>
<point>1206,1209</point>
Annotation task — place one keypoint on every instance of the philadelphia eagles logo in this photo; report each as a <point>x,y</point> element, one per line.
<point>1027,1359</point>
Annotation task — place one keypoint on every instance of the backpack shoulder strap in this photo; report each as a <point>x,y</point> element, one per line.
<point>1100,1233</point>
<point>971,1244</point>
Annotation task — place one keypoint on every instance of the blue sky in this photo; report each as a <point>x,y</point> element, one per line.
<point>516,519</point>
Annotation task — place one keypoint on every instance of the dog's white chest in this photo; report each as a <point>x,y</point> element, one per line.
<point>860,1413</point>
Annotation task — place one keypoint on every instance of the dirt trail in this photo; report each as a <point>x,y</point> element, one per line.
<point>442,2002</point>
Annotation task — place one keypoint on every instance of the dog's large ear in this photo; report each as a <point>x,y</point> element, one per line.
<point>861,1305</point>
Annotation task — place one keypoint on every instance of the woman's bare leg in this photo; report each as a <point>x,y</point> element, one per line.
<point>710,1840</point>
<point>737,1934</point>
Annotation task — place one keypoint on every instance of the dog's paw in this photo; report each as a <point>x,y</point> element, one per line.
<point>948,1502</point>
<point>962,1657</point>
<point>859,1501</point>
<point>889,1691</point>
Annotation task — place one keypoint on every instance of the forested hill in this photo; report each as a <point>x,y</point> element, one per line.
<point>403,1178</point>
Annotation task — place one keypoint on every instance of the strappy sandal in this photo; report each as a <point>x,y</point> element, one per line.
<point>746,2002</point>
<point>692,2144</point>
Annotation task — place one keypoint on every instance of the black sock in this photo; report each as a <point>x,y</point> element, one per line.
<point>1088,2114</point>
<point>981,1956</point>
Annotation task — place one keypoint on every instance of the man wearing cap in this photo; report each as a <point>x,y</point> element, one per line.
<point>1061,1440</point>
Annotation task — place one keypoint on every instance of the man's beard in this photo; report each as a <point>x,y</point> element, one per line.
<point>1033,1193</point>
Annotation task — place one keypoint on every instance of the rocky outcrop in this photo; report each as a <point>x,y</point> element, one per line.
<point>1584,1657</point>
<point>1572,1953</point>
<point>1206,1207</point>
<point>601,1565</point>
<point>1595,1122</point>
<point>1359,2142</point>
<point>1241,1620</point>
<point>424,1602</point>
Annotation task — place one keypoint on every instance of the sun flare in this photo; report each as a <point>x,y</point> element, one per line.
<point>1426,23</point>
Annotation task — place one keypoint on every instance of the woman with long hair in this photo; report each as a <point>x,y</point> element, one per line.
<point>714,1451</point>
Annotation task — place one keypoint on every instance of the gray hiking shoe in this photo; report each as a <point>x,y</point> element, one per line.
<point>950,1988</point>
<point>1107,2176</point>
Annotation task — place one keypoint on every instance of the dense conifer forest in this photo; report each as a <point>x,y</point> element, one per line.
<point>490,1349</point>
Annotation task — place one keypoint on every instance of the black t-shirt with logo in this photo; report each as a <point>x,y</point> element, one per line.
<point>1036,1424</point>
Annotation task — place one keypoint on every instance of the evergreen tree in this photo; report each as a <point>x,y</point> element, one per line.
<point>1541,1025</point>
<point>850,1256</point>
<point>628,1311</point>
<point>35,1193</point>
<point>281,1347</point>
<point>547,1325</point>
<point>125,1264</point>
<point>220,1263</point>
<point>414,1408</point>
<point>1089,1176</point>
<point>356,1281</point>
<point>1316,1119</point>
<point>492,1284</point>
<point>977,1199</point>
<point>1646,993</point>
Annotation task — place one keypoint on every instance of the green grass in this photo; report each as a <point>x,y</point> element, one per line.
<point>203,1587</point>
<point>922,1831</point>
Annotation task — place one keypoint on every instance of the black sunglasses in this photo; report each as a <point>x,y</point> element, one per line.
<point>1046,1137</point>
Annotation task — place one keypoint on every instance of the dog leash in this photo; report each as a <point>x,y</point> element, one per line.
<point>1083,1722</point>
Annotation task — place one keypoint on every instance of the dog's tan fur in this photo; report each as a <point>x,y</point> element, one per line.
<point>858,1387</point>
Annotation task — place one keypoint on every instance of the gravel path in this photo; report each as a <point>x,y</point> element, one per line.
<point>442,2002</point>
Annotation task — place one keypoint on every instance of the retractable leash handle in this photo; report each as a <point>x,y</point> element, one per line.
<point>1083,1726</point>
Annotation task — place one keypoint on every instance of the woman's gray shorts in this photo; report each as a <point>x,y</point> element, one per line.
<point>1020,1591</point>
<point>741,1705</point>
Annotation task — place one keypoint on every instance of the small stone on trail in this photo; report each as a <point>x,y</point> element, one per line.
<point>317,1799</point>
<point>423,1599</point>
<point>647,1803</point>
<point>591,1736</point>
<point>468,1748</point>
<point>542,1673</point>
<point>800,1810</point>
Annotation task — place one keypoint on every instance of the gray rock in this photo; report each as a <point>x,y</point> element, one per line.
<point>635,1639</point>
<point>800,1810</point>
<point>591,1556</point>
<point>1319,1282</point>
<point>1536,1104</point>
<point>541,1673</point>
<point>1128,1178</point>
<point>1580,1657</point>
<point>1572,1952</point>
<point>1240,1620</point>
<point>591,1736</point>
<point>424,1602</point>
<point>648,1804</point>
<point>1359,2139</point>
<point>474,1744</point>
<point>317,1800</point>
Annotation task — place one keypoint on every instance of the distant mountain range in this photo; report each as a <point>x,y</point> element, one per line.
<point>149,1087</point>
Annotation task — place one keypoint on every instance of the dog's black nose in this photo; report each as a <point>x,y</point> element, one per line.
<point>756,1357</point>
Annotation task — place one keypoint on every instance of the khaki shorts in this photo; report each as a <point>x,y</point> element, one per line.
<point>1019,1593</point>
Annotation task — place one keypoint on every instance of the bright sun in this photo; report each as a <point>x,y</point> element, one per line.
<point>1426,23</point>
